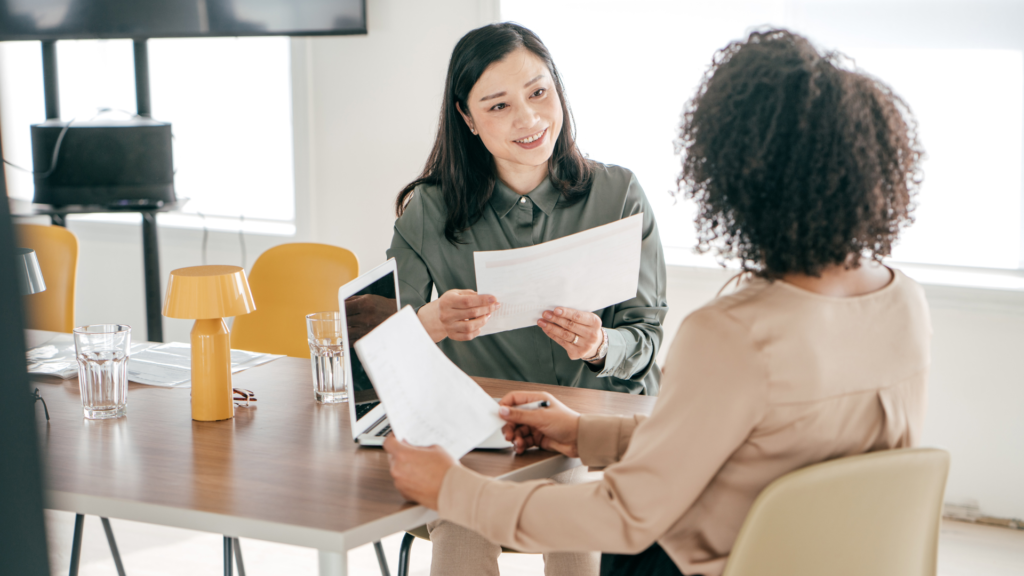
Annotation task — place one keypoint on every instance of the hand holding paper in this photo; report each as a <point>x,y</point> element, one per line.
<point>586,271</point>
<point>428,399</point>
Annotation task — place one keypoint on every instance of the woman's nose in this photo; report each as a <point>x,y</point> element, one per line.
<point>526,116</point>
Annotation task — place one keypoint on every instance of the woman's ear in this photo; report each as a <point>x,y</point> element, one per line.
<point>467,118</point>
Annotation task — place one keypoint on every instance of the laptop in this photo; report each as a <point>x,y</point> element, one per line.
<point>366,302</point>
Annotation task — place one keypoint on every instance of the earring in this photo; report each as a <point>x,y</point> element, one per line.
<point>473,131</point>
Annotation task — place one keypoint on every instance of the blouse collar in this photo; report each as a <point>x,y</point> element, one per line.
<point>545,196</point>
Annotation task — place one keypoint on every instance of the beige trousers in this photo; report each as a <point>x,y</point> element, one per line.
<point>458,551</point>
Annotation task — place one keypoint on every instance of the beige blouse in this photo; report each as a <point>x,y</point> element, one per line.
<point>758,383</point>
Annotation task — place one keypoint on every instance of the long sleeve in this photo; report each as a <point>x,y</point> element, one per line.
<point>602,440</point>
<point>714,394</point>
<point>636,330</point>
<point>414,281</point>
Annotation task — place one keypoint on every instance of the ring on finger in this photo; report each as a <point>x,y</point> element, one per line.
<point>576,339</point>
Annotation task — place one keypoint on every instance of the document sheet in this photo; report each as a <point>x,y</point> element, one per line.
<point>588,271</point>
<point>170,365</point>
<point>428,399</point>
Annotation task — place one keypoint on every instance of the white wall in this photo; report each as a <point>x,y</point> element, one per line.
<point>365,111</point>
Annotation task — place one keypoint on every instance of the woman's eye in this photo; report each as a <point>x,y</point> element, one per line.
<point>500,106</point>
<point>540,92</point>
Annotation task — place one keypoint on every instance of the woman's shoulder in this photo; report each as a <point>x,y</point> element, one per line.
<point>425,203</point>
<point>612,176</point>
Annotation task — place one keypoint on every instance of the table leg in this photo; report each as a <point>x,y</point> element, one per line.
<point>151,263</point>
<point>333,564</point>
<point>227,555</point>
<point>76,545</point>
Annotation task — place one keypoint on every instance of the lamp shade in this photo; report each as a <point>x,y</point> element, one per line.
<point>204,292</point>
<point>30,277</point>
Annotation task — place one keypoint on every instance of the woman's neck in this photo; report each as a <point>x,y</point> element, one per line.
<point>520,177</point>
<point>841,282</point>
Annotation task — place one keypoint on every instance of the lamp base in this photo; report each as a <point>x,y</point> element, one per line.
<point>211,371</point>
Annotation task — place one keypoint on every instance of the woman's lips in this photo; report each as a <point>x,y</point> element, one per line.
<point>537,142</point>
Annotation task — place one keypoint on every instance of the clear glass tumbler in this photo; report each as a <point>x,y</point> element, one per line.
<point>102,352</point>
<point>327,355</point>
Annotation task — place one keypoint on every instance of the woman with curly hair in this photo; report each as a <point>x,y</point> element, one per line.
<point>805,172</point>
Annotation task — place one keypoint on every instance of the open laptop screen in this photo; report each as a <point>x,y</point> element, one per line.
<point>364,311</point>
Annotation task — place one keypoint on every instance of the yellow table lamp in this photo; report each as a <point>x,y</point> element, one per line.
<point>208,294</point>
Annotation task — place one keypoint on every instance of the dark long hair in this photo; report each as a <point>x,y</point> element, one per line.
<point>460,164</point>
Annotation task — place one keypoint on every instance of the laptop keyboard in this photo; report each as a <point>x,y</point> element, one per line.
<point>384,431</point>
<point>364,408</point>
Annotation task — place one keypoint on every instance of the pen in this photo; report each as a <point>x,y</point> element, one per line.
<point>533,405</point>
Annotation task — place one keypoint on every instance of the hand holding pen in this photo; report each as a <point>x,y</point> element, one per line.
<point>539,419</point>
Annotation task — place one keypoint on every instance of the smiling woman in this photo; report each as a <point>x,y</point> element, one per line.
<point>505,172</point>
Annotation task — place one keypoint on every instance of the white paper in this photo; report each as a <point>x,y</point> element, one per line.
<point>170,365</point>
<point>56,356</point>
<point>589,270</point>
<point>428,399</point>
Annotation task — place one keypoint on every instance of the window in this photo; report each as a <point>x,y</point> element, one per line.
<point>630,66</point>
<point>228,101</point>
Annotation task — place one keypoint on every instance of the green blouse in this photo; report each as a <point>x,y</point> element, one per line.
<point>426,260</point>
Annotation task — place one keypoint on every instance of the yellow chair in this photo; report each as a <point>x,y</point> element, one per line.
<point>874,514</point>
<point>57,250</point>
<point>288,282</point>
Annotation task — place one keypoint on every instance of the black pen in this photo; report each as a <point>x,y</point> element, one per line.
<point>533,405</point>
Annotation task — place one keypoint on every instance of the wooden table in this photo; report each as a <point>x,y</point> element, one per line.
<point>284,470</point>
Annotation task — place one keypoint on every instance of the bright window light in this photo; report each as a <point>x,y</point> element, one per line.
<point>630,66</point>
<point>228,101</point>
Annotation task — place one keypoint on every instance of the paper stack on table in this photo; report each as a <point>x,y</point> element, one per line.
<point>428,399</point>
<point>170,365</point>
<point>589,270</point>
<point>149,363</point>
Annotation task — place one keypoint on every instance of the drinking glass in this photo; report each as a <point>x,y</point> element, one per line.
<point>327,355</point>
<point>102,353</point>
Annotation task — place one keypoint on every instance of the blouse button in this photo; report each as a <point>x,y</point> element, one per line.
<point>522,200</point>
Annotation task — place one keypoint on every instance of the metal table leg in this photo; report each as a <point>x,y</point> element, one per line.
<point>151,262</point>
<point>76,545</point>
<point>113,546</point>
<point>238,557</point>
<point>382,560</point>
<point>227,556</point>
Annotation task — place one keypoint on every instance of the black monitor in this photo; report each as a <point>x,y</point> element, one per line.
<point>82,19</point>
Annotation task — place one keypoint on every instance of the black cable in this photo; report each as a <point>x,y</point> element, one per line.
<point>53,158</point>
<point>37,398</point>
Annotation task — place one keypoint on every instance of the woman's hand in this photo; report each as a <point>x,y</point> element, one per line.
<point>457,314</point>
<point>578,332</point>
<point>553,428</point>
<point>418,472</point>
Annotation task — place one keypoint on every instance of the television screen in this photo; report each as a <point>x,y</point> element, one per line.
<point>79,19</point>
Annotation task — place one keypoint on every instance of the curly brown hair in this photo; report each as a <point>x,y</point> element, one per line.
<point>795,163</point>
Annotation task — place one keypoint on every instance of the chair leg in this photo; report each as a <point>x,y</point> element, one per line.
<point>76,544</point>
<point>227,556</point>
<point>238,556</point>
<point>113,546</point>
<point>379,549</point>
<point>403,554</point>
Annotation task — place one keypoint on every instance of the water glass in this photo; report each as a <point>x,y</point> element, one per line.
<point>102,353</point>
<point>327,355</point>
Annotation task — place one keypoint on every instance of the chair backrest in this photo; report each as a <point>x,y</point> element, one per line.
<point>57,251</point>
<point>288,282</point>
<point>875,513</point>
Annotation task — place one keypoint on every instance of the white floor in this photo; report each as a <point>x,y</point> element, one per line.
<point>148,550</point>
